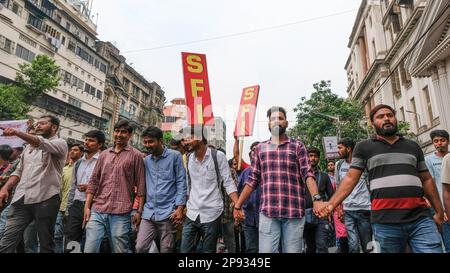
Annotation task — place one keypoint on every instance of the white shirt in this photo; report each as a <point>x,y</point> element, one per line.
<point>81,176</point>
<point>205,199</point>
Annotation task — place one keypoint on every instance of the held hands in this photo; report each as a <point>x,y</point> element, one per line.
<point>4,195</point>
<point>82,188</point>
<point>136,221</point>
<point>238,215</point>
<point>177,217</point>
<point>323,209</point>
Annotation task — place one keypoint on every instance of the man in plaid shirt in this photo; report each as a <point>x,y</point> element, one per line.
<point>281,167</point>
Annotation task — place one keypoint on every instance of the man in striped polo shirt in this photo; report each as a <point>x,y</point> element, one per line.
<point>399,181</point>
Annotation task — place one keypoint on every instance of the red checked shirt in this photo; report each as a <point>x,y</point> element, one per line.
<point>281,170</point>
<point>114,179</point>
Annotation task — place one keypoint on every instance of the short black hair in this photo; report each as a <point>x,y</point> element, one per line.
<point>174,142</point>
<point>153,132</point>
<point>313,150</point>
<point>5,152</point>
<point>124,124</point>
<point>274,109</point>
<point>254,144</point>
<point>98,135</point>
<point>378,108</point>
<point>53,120</point>
<point>347,142</point>
<point>439,133</point>
<point>80,146</point>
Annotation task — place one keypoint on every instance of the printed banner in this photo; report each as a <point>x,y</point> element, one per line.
<point>196,86</point>
<point>247,111</point>
<point>13,141</point>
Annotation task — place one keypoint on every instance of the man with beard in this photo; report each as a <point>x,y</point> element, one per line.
<point>330,168</point>
<point>440,140</point>
<point>37,195</point>
<point>93,143</point>
<point>109,199</point>
<point>166,194</point>
<point>209,179</point>
<point>281,167</point>
<point>316,230</point>
<point>399,180</point>
<point>356,207</point>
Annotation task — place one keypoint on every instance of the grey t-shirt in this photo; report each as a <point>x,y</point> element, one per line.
<point>359,199</point>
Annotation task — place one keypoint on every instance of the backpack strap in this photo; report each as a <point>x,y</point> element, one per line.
<point>216,167</point>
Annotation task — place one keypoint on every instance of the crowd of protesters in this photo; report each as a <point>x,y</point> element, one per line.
<point>382,194</point>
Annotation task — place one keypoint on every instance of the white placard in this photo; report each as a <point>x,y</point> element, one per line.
<point>330,147</point>
<point>13,141</point>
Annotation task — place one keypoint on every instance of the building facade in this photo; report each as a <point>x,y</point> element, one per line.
<point>63,30</point>
<point>379,68</point>
<point>175,116</point>
<point>128,95</point>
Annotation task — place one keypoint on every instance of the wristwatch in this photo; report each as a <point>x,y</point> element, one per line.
<point>237,208</point>
<point>317,197</point>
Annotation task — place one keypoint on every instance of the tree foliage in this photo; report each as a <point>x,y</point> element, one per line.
<point>311,126</point>
<point>32,81</point>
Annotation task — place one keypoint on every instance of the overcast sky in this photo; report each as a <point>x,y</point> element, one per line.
<point>285,61</point>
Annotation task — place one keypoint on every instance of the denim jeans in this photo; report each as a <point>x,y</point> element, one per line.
<point>229,236</point>
<point>421,236</point>
<point>272,231</point>
<point>251,239</point>
<point>117,226</point>
<point>316,236</point>
<point>20,215</point>
<point>446,236</point>
<point>208,231</point>
<point>59,233</point>
<point>3,219</point>
<point>359,230</point>
<point>73,230</point>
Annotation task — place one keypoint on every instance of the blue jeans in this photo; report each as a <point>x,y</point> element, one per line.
<point>421,235</point>
<point>229,236</point>
<point>251,239</point>
<point>446,236</point>
<point>274,230</point>
<point>59,233</point>
<point>3,219</point>
<point>359,230</point>
<point>117,226</point>
<point>208,231</point>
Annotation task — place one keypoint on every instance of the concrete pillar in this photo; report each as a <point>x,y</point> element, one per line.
<point>441,87</point>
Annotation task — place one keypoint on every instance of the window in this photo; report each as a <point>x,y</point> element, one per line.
<point>63,40</point>
<point>93,91</point>
<point>396,88</point>
<point>414,112</point>
<point>6,44</point>
<point>122,105</point>
<point>67,77</point>
<point>402,113</point>
<point>396,20</point>
<point>71,46</point>
<point>74,102</point>
<point>80,84</point>
<point>405,76</point>
<point>34,21</point>
<point>87,88</point>
<point>132,109</point>
<point>428,103</point>
<point>103,67</point>
<point>17,9</point>
<point>99,94</point>
<point>24,53</point>
<point>68,26</point>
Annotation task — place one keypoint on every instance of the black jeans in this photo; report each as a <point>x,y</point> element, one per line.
<point>21,215</point>
<point>73,230</point>
<point>316,237</point>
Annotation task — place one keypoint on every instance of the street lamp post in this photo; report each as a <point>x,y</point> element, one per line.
<point>336,118</point>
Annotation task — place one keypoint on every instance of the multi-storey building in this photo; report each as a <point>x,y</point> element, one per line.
<point>175,116</point>
<point>63,30</point>
<point>128,95</point>
<point>384,34</point>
